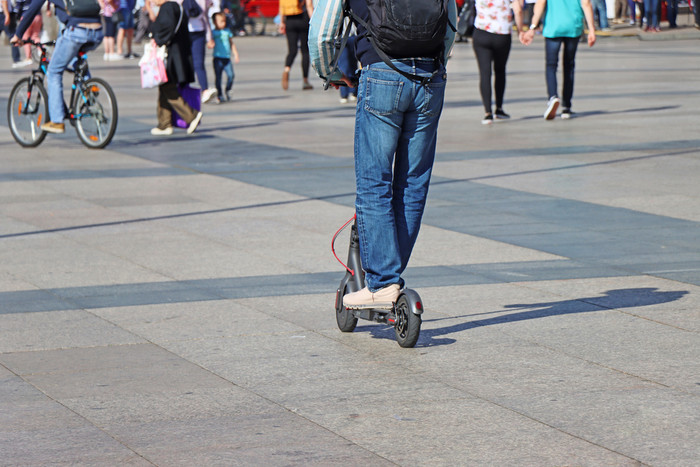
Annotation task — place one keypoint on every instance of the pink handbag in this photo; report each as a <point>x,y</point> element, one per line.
<point>153,66</point>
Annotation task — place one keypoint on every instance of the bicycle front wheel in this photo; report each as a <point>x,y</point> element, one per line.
<point>27,110</point>
<point>96,115</point>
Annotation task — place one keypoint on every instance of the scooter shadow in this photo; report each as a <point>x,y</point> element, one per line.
<point>610,300</point>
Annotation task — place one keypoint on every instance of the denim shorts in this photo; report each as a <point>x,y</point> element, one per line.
<point>127,19</point>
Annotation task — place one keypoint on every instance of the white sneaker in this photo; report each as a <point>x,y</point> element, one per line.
<point>23,63</point>
<point>208,94</point>
<point>194,124</point>
<point>162,132</point>
<point>353,98</point>
<point>382,298</point>
<point>343,100</point>
<point>115,57</point>
<point>552,106</point>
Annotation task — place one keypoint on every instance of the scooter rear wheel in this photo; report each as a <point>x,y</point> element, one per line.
<point>407,325</point>
<point>345,318</point>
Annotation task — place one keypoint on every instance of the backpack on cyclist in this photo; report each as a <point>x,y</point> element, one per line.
<point>192,8</point>
<point>83,8</point>
<point>401,29</point>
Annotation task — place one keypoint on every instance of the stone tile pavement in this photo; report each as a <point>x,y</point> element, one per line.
<point>169,301</point>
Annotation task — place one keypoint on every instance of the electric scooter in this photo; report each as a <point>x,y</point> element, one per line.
<point>405,316</point>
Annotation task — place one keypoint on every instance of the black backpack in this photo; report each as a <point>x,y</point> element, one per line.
<point>406,29</point>
<point>83,8</point>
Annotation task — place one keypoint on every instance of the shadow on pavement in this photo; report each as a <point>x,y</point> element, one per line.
<point>610,300</point>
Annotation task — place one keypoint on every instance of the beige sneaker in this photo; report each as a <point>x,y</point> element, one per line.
<point>51,127</point>
<point>382,298</point>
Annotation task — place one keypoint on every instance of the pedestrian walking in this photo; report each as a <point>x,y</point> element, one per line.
<point>491,40</point>
<point>170,29</point>
<point>294,24</point>
<point>223,48</point>
<point>563,27</point>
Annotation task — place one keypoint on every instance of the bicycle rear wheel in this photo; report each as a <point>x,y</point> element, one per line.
<point>95,113</point>
<point>27,110</point>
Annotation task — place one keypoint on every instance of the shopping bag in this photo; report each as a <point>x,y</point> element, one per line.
<point>153,66</point>
<point>193,97</point>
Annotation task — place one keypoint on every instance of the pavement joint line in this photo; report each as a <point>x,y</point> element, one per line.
<point>505,407</point>
<point>89,422</point>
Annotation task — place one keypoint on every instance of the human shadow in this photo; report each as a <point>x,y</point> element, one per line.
<point>610,300</point>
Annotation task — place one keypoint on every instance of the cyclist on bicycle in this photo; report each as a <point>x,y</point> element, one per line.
<point>79,32</point>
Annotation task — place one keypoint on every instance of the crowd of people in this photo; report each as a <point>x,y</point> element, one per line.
<point>123,23</point>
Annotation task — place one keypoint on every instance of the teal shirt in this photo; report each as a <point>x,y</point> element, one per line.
<point>563,18</point>
<point>222,43</point>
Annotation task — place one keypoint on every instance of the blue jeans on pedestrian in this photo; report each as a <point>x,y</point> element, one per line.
<point>199,43</point>
<point>68,44</point>
<point>552,47</point>
<point>672,12</point>
<point>221,66</point>
<point>651,8</point>
<point>601,9</point>
<point>347,63</point>
<point>395,135</point>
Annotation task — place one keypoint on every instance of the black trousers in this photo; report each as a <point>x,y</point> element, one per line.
<point>491,51</point>
<point>297,27</point>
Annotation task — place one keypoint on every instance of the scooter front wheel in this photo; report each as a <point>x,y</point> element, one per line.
<point>407,324</point>
<point>345,318</point>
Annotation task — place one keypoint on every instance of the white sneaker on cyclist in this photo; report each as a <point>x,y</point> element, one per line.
<point>162,131</point>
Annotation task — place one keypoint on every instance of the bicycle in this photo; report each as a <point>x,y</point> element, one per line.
<point>93,106</point>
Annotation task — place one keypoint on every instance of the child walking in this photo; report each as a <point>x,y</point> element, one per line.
<point>223,47</point>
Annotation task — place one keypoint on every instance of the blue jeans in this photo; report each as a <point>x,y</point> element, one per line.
<point>601,9</point>
<point>221,66</point>
<point>651,10</point>
<point>395,134</point>
<point>552,47</point>
<point>348,65</point>
<point>672,12</point>
<point>199,42</point>
<point>67,47</point>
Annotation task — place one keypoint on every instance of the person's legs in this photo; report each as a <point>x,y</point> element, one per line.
<point>482,43</point>
<point>650,12</point>
<point>601,9</point>
<point>121,33</point>
<point>198,40</point>
<point>304,43</point>
<point>672,12</point>
<point>396,124</point>
<point>293,31</point>
<point>67,46</point>
<point>347,63</point>
<point>552,47</point>
<point>169,99</point>
<point>696,7</point>
<point>632,10</point>
<point>415,155</point>
<point>32,32</point>
<point>500,58</point>
<point>218,71</point>
<point>228,69</point>
<point>569,65</point>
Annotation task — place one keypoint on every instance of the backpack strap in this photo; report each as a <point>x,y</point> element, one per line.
<point>339,45</point>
